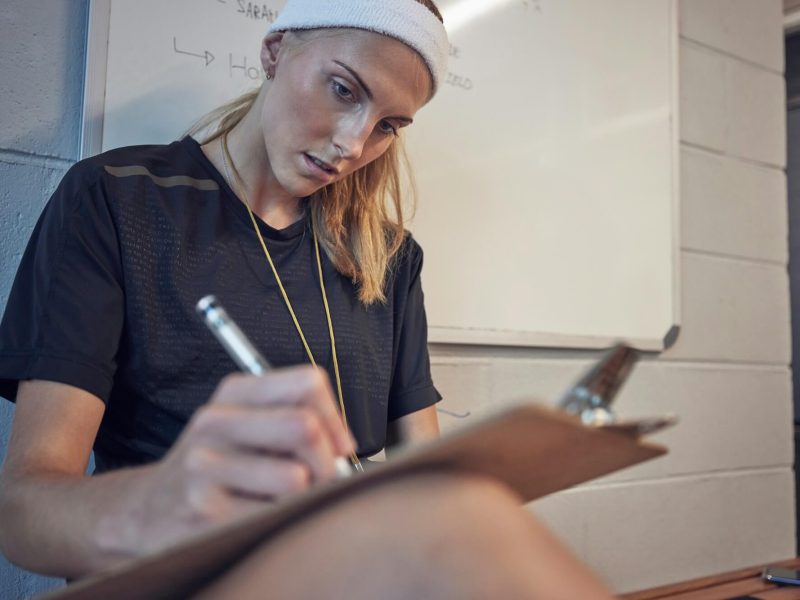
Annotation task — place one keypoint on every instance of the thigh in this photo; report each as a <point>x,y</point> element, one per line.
<point>430,535</point>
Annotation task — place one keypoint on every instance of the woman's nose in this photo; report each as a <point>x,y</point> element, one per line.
<point>350,138</point>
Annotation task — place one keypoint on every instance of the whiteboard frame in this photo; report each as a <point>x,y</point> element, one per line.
<point>94,85</point>
<point>791,22</point>
<point>91,144</point>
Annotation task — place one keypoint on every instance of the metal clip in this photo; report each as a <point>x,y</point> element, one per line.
<point>591,397</point>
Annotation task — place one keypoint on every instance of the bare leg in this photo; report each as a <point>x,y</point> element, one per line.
<point>422,536</point>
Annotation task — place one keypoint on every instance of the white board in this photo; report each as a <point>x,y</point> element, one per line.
<point>546,166</point>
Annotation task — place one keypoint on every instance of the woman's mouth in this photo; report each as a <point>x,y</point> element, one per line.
<point>320,168</point>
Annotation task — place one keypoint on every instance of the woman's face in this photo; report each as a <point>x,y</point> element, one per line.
<point>337,101</point>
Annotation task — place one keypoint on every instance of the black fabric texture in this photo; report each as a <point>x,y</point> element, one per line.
<point>104,300</point>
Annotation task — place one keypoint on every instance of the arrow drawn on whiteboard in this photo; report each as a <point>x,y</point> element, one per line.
<point>207,56</point>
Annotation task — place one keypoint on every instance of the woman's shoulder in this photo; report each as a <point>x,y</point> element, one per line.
<point>406,263</point>
<point>410,250</point>
<point>154,160</point>
<point>90,183</point>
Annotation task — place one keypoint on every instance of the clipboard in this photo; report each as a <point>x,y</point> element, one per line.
<point>533,449</point>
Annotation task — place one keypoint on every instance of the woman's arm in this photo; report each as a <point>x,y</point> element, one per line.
<point>415,427</point>
<point>48,508</point>
<point>258,438</point>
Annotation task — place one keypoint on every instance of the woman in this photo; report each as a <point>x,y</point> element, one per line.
<point>101,329</point>
<point>280,213</point>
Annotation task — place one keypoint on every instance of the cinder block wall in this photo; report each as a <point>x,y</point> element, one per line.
<point>42,45</point>
<point>724,497</point>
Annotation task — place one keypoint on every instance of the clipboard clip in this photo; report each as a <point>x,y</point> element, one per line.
<point>591,396</point>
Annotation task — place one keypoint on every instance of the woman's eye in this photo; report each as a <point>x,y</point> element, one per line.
<point>387,128</point>
<point>342,90</point>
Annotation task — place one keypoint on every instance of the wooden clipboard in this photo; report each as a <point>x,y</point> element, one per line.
<point>534,450</point>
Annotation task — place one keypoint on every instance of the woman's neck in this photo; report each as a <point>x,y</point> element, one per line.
<point>256,184</point>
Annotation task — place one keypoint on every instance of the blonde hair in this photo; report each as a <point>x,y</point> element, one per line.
<point>359,219</point>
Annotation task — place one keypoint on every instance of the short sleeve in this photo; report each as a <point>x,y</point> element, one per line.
<point>64,315</point>
<point>412,387</point>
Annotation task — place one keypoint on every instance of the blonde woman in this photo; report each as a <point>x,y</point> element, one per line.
<point>289,211</point>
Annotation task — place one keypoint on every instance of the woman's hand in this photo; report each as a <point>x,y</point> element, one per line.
<point>257,440</point>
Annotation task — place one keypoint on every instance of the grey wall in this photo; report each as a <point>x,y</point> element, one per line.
<point>42,45</point>
<point>724,496</point>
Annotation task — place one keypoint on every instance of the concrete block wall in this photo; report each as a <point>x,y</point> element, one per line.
<point>42,45</point>
<point>724,496</point>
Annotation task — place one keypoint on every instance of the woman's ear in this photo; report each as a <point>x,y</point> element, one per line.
<point>270,47</point>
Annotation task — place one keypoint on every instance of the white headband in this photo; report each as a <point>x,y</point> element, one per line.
<point>406,20</point>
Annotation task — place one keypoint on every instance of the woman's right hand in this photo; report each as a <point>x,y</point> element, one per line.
<point>259,438</point>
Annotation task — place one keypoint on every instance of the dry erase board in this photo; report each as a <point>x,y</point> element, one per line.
<point>546,166</point>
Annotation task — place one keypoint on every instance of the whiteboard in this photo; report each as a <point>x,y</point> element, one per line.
<point>547,165</point>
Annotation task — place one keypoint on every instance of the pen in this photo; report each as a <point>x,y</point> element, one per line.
<point>243,353</point>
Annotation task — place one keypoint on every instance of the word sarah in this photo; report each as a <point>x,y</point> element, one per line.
<point>255,11</point>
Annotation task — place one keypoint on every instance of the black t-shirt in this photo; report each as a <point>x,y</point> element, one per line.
<point>104,300</point>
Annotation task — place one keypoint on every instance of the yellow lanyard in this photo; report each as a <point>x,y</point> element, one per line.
<point>225,158</point>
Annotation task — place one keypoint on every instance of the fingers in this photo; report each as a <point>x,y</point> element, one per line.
<point>257,440</point>
<point>214,505</point>
<point>249,477</point>
<point>238,458</point>
<point>297,386</point>
<point>294,432</point>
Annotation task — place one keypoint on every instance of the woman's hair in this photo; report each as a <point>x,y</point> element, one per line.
<point>359,219</point>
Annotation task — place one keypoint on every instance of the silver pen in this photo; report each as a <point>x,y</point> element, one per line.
<point>243,353</point>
